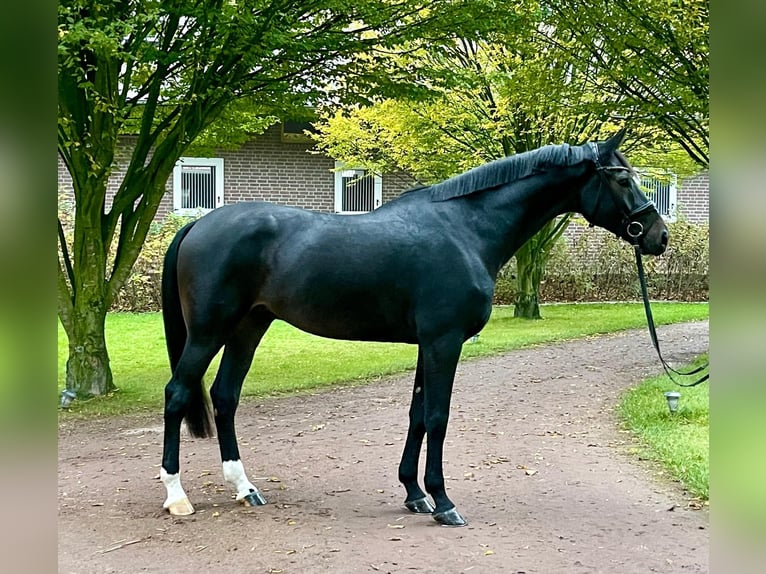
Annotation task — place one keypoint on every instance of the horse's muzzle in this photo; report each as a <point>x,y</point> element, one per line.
<point>654,243</point>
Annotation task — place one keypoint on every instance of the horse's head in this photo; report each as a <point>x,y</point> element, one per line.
<point>612,199</point>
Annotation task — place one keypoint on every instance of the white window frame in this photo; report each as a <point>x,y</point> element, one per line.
<point>215,162</point>
<point>669,212</point>
<point>342,170</point>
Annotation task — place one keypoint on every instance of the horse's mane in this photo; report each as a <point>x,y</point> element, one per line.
<point>507,170</point>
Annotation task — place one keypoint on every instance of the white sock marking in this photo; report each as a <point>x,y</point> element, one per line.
<point>172,484</point>
<point>234,474</point>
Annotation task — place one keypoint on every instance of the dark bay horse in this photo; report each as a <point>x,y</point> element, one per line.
<point>421,269</point>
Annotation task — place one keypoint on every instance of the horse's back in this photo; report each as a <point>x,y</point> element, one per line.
<point>365,277</point>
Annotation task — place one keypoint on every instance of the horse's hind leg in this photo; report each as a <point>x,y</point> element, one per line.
<point>416,500</point>
<point>237,358</point>
<point>183,393</point>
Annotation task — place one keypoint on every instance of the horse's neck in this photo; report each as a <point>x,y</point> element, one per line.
<point>508,217</point>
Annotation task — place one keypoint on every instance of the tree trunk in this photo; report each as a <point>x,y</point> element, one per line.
<point>82,305</point>
<point>88,372</point>
<point>526,306</point>
<point>531,261</point>
<point>83,298</point>
<point>527,283</point>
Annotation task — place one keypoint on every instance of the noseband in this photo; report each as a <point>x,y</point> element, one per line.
<point>633,229</point>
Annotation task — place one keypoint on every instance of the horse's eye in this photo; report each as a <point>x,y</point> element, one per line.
<point>624,180</point>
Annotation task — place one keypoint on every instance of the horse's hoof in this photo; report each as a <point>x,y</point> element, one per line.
<point>181,507</point>
<point>253,499</point>
<point>449,517</point>
<point>419,506</point>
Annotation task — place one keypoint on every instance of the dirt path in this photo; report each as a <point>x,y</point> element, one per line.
<point>535,463</point>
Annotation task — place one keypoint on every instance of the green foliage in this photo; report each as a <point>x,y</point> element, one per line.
<point>678,441</point>
<point>597,266</point>
<point>237,124</point>
<point>164,72</point>
<point>562,72</point>
<point>490,109</point>
<point>683,272</point>
<point>289,360</point>
<point>655,55</point>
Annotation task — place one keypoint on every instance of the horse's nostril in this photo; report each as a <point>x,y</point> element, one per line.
<point>664,238</point>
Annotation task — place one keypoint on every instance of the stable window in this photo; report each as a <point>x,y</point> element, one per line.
<point>661,187</point>
<point>197,185</point>
<point>356,190</point>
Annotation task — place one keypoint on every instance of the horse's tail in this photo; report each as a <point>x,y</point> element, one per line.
<point>197,413</point>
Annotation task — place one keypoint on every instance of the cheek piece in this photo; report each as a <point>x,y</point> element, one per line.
<point>633,229</point>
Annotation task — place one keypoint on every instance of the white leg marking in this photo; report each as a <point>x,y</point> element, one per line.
<point>234,474</point>
<point>176,502</point>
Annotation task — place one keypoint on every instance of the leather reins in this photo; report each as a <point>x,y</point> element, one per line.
<point>634,230</point>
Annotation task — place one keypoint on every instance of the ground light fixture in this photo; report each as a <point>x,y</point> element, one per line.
<point>67,397</point>
<point>672,397</point>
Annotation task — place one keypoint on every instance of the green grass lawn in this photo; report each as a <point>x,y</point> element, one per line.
<point>289,360</point>
<point>678,441</point>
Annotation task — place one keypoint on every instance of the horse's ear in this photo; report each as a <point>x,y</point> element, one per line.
<point>613,143</point>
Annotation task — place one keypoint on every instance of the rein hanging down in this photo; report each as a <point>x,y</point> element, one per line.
<point>653,332</point>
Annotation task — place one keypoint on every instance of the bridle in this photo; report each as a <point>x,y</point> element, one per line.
<point>634,229</point>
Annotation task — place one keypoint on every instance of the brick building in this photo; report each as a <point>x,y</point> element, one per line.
<point>279,166</point>
<point>694,198</point>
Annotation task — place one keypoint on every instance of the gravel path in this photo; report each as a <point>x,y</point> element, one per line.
<point>534,458</point>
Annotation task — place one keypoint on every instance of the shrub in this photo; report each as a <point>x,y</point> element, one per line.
<point>594,266</point>
<point>682,273</point>
<point>143,290</point>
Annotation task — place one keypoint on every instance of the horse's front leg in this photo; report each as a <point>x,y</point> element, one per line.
<point>439,365</point>
<point>416,500</point>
